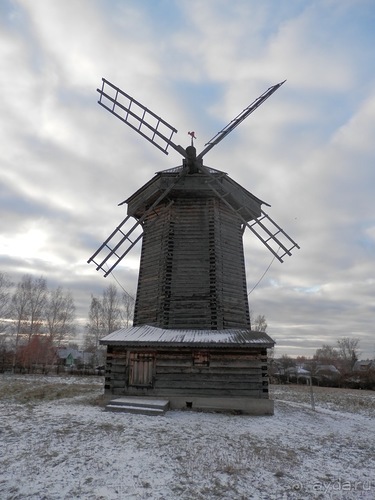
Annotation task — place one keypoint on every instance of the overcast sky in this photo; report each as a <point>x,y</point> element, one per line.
<point>308,151</point>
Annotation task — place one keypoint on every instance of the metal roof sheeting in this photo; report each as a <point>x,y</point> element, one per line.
<point>152,336</point>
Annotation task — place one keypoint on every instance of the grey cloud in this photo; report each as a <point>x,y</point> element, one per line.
<point>66,163</point>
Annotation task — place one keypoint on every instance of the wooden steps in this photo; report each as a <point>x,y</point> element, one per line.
<point>139,406</point>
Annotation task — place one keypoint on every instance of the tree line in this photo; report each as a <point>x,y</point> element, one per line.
<point>36,318</point>
<point>107,313</point>
<point>342,356</point>
<point>331,365</point>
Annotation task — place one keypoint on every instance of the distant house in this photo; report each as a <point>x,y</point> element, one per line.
<point>364,365</point>
<point>363,376</point>
<point>292,374</point>
<point>298,374</point>
<point>69,357</point>
<point>326,374</point>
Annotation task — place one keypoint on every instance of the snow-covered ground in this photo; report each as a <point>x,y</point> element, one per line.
<point>58,443</point>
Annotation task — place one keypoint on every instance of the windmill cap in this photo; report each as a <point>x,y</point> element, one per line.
<point>191,152</point>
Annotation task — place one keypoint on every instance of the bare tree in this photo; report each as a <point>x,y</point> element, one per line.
<point>342,357</point>
<point>19,315</point>
<point>111,309</point>
<point>104,318</point>
<point>94,327</point>
<point>60,315</point>
<point>36,294</point>
<point>5,353</point>
<point>39,352</point>
<point>286,361</point>
<point>5,300</point>
<point>260,323</point>
<point>27,309</point>
<point>127,309</point>
<point>348,352</point>
<point>326,355</point>
<point>5,296</point>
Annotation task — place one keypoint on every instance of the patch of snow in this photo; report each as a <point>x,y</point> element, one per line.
<point>70,449</point>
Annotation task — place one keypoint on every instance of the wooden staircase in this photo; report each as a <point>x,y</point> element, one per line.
<point>139,406</point>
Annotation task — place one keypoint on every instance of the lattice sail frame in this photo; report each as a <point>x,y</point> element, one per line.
<point>149,125</point>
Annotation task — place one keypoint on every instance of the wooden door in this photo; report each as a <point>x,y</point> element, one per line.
<point>141,368</point>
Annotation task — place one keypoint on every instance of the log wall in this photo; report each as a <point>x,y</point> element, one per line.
<point>192,271</point>
<point>187,372</point>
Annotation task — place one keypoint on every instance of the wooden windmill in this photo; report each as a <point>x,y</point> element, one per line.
<point>191,297</point>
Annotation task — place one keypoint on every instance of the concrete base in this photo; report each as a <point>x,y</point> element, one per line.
<point>240,405</point>
<point>247,406</point>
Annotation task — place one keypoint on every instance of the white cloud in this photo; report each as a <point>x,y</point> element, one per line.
<point>308,151</point>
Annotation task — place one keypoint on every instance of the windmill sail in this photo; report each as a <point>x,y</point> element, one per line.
<point>239,119</point>
<point>117,246</point>
<point>261,225</point>
<point>138,117</point>
<point>121,241</point>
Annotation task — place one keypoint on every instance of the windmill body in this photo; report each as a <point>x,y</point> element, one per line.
<point>192,270</point>
<point>191,340</point>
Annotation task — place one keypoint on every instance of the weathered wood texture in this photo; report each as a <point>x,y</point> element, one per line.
<point>192,277</point>
<point>187,372</point>
<point>197,185</point>
<point>192,271</point>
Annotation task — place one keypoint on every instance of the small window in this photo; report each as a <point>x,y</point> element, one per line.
<point>201,358</point>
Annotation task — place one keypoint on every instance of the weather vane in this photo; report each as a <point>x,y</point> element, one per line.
<point>193,136</point>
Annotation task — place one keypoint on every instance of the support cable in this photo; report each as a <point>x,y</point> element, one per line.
<point>263,275</point>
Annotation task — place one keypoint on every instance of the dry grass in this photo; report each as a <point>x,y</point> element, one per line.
<point>32,390</point>
<point>346,400</point>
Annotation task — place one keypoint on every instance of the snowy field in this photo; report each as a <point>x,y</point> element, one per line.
<point>58,443</point>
